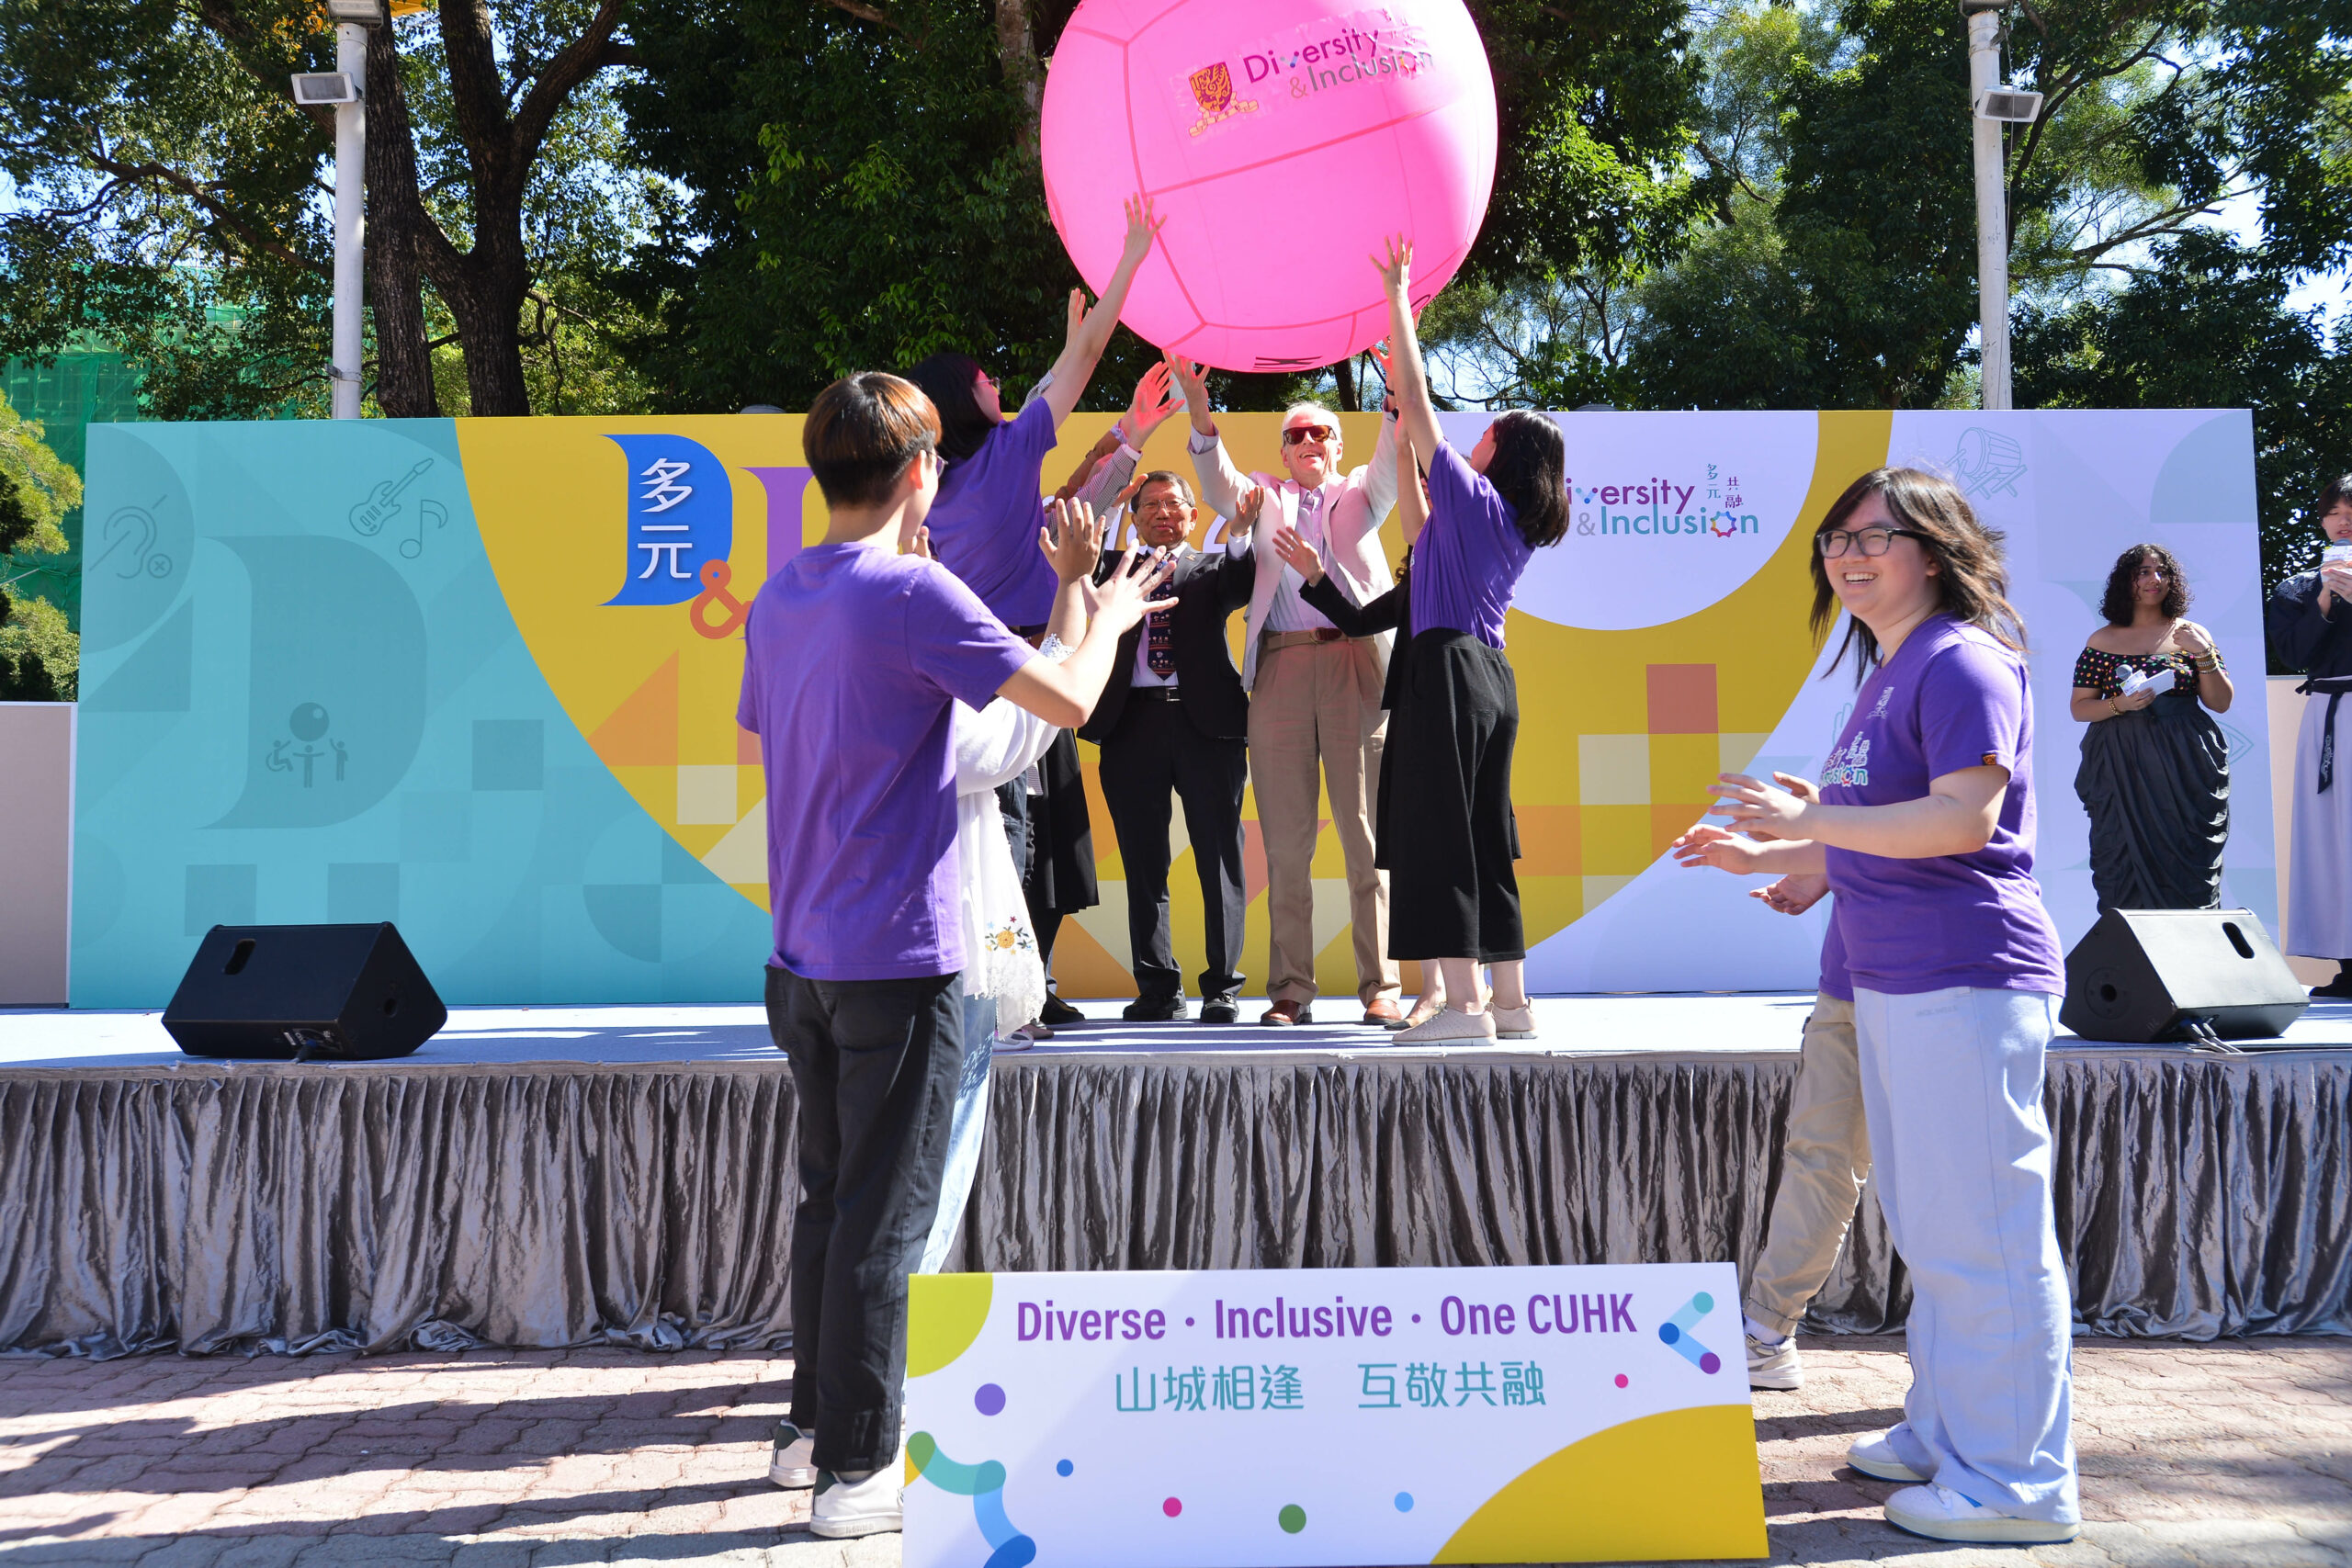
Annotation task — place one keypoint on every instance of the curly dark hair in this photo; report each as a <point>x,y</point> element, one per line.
<point>1973,581</point>
<point>2121,599</point>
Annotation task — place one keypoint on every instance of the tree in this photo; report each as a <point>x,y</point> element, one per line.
<point>169,191</point>
<point>39,656</point>
<point>863,185</point>
<point>2209,326</point>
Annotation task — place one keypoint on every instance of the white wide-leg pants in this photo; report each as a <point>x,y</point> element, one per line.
<point>1961,1155</point>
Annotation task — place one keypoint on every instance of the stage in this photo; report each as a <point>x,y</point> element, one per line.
<point>565,1176</point>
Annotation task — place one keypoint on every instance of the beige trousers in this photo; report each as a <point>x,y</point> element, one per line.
<point>1316,706</point>
<point>1823,1167</point>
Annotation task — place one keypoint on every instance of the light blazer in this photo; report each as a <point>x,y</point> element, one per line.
<point>1353,509</point>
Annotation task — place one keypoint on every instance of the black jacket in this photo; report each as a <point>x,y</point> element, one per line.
<point>1210,585</point>
<point>2301,638</point>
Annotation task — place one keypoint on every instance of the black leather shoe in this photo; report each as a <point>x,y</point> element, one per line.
<point>1155,1009</point>
<point>1220,1009</point>
<point>2337,989</point>
<point>1059,1013</point>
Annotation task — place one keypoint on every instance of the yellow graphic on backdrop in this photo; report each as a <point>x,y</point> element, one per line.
<point>1620,733</point>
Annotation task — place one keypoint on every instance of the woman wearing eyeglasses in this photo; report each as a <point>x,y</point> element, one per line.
<point>1923,820</point>
<point>2156,771</point>
<point>1453,897</point>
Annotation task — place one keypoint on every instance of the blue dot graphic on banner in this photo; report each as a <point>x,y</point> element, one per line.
<point>681,517</point>
<point>1676,1331</point>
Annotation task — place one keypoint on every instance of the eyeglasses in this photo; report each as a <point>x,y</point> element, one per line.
<point>1869,541</point>
<point>1299,433</point>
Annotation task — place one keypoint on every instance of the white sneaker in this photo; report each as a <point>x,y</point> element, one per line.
<point>842,1508</point>
<point>1874,1455</point>
<point>1773,1363</point>
<point>1941,1514</point>
<point>1450,1024</point>
<point>1514,1023</point>
<point>793,1465</point>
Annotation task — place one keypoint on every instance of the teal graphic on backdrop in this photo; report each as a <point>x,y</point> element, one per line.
<point>319,709</point>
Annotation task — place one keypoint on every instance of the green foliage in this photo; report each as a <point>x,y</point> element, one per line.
<point>39,656</point>
<point>39,653</point>
<point>2210,327</point>
<point>43,486</point>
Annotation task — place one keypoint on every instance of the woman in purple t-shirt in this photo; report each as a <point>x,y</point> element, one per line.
<point>1923,820</point>
<point>1446,770</point>
<point>984,525</point>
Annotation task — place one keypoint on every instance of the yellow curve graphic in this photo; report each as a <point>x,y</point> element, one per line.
<point>944,1315</point>
<point>1683,1483</point>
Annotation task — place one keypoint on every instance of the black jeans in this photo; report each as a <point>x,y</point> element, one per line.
<point>1154,750</point>
<point>875,1065</point>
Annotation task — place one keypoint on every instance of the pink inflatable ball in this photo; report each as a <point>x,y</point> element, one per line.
<point>1282,141</point>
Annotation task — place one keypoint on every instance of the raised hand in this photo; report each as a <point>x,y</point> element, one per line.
<point>1396,268</point>
<point>1297,554</point>
<point>922,546</point>
<point>1142,227</point>
<point>1074,543</point>
<point>1252,507</point>
<point>1120,601</point>
<point>1154,404</point>
<point>1803,789</point>
<point>2190,639</point>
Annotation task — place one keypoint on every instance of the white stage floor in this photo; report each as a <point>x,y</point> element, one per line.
<point>1683,1023</point>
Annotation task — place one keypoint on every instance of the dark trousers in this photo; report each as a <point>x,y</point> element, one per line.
<point>874,1065</point>
<point>1154,750</point>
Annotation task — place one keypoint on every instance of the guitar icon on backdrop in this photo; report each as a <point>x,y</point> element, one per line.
<point>380,505</point>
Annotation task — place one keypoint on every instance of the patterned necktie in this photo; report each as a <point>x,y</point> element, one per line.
<point>1159,650</point>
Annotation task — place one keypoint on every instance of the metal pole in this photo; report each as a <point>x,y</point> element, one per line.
<point>350,216</point>
<point>1992,207</point>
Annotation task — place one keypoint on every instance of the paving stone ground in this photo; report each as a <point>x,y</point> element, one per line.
<point>2234,1455</point>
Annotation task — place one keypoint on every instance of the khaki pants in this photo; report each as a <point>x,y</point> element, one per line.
<point>1317,705</point>
<point>1823,1167</point>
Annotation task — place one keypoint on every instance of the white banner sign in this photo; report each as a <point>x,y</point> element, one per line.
<point>1330,1415</point>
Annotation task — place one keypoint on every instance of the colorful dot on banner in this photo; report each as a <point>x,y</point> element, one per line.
<point>1668,1332</point>
<point>1622,1380</point>
<point>1711,1363</point>
<point>1293,1519</point>
<point>1171,1508</point>
<point>1063,1467</point>
<point>1188,1323</point>
<point>1417,1317</point>
<point>1404,1502</point>
<point>988,1400</point>
<point>1704,1302</point>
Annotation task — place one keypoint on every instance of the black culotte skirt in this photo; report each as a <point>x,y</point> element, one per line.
<point>1446,835</point>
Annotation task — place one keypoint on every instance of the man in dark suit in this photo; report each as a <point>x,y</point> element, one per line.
<point>1174,717</point>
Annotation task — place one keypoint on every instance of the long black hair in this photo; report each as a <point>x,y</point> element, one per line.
<point>1530,469</point>
<point>1973,576</point>
<point>947,379</point>
<point>2122,596</point>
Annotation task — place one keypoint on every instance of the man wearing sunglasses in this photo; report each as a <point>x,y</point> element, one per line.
<point>1315,722</point>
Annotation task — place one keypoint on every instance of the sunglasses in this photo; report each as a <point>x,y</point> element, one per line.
<point>1299,433</point>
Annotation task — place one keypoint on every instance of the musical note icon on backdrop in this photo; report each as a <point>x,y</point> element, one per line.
<point>437,514</point>
<point>383,503</point>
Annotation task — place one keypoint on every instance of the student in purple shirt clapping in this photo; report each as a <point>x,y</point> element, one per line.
<point>1923,820</point>
<point>855,654</point>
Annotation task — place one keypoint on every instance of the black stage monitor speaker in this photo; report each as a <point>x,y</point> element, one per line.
<point>2147,975</point>
<point>293,993</point>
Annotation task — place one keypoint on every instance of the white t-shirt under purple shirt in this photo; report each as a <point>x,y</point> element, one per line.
<point>1952,697</point>
<point>854,659</point>
<point>984,525</point>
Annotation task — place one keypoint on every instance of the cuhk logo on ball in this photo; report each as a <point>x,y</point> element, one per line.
<point>1282,141</point>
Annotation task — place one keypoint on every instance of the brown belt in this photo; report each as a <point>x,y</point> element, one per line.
<point>1272,640</point>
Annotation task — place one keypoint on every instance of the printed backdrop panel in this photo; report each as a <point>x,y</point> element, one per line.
<point>479,677</point>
